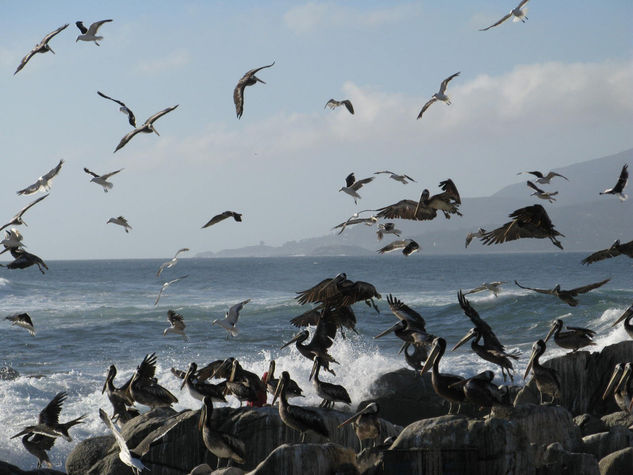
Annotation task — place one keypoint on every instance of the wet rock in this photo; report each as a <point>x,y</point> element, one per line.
<point>617,463</point>
<point>8,469</point>
<point>620,418</point>
<point>602,444</point>
<point>589,424</point>
<point>7,373</point>
<point>308,459</point>
<point>88,452</point>
<point>558,461</point>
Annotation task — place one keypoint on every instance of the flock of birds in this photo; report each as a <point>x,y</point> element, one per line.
<point>332,313</point>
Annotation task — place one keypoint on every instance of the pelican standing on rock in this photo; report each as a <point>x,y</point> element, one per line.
<point>229,322</point>
<point>482,392</point>
<point>572,339</point>
<point>90,34</point>
<point>330,393</point>
<point>619,385</point>
<point>293,389</point>
<point>366,423</point>
<point>220,444</point>
<point>249,79</point>
<point>439,96</point>
<point>144,387</point>
<point>199,389</point>
<point>22,320</point>
<point>443,383</point>
<point>41,47</point>
<point>119,397</point>
<point>546,379</point>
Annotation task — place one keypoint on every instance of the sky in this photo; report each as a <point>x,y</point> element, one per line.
<point>555,90</point>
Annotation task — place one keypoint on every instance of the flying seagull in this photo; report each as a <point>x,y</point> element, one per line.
<point>387,228</point>
<point>439,96</point>
<point>614,250</point>
<point>619,186</point>
<point>404,179</point>
<point>172,262</point>
<point>17,219</point>
<point>22,320</point>
<point>333,104</point>
<point>518,13</point>
<point>542,194</point>
<point>222,216</point>
<point>408,246</point>
<point>248,79</point>
<point>229,321</point>
<point>121,221</point>
<point>167,284</point>
<point>12,240</point>
<point>102,179</point>
<point>177,324</point>
<point>544,179</point>
<point>477,234</point>
<point>493,287</point>
<point>23,259</point>
<point>355,219</point>
<point>352,186</point>
<point>146,128</point>
<point>41,47</point>
<point>125,109</point>
<point>90,34</point>
<point>567,296</point>
<point>43,183</point>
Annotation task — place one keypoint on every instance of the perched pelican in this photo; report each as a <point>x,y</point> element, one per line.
<point>322,339</point>
<point>225,368</point>
<point>481,392</point>
<point>333,104</point>
<point>144,388</point>
<point>387,228</point>
<point>200,389</point>
<point>242,390</point>
<point>408,246</point>
<point>354,219</point>
<point>17,219</point>
<point>567,296</point>
<point>443,383</point>
<point>366,423</point>
<point>121,221</point>
<point>249,79</point>
<point>172,262</point>
<point>619,385</point>
<point>439,96</point>
<point>544,179</point>
<point>542,194</point>
<point>119,397</point>
<point>12,240</point>
<point>229,322</point>
<point>614,250</point>
<point>298,418</point>
<point>546,378</point>
<point>22,320</point>
<point>494,287</point>
<point>41,47</point>
<point>618,189</point>
<point>330,393</point>
<point>404,179</point>
<point>529,222</point>
<point>339,291</point>
<point>477,234</point>
<point>572,339</point>
<point>352,186</point>
<point>125,109</point>
<point>177,324</point>
<point>518,13</point>
<point>102,180</point>
<point>220,444</point>
<point>167,284</point>
<point>43,183</point>
<point>146,128</point>
<point>293,389</point>
<point>23,259</point>
<point>627,316</point>
<point>427,206</point>
<point>222,216</point>
<point>90,34</point>
<point>38,445</point>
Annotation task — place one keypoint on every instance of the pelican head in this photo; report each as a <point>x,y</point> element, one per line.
<point>472,333</point>
<point>437,348</point>
<point>192,369</point>
<point>371,408</point>
<point>538,348</point>
<point>299,337</point>
<point>556,326</point>
<point>109,377</point>
<point>285,377</point>
<point>614,382</point>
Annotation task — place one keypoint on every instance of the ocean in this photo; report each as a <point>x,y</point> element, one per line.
<point>90,314</point>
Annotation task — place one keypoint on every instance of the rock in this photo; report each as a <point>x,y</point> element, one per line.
<point>202,469</point>
<point>7,373</point>
<point>558,461</point>
<point>602,444</point>
<point>620,418</point>
<point>589,424</point>
<point>308,459</point>
<point>8,469</point>
<point>617,463</point>
<point>88,452</point>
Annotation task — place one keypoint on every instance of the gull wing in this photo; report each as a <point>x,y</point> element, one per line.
<point>357,185</point>
<point>82,28</point>
<point>446,81</point>
<point>53,172</point>
<point>348,105</point>
<point>332,104</point>
<point>426,106</point>
<point>234,311</point>
<point>50,414</point>
<point>490,339</point>
<point>586,288</point>
<point>553,174</point>
<point>95,26</point>
<point>182,249</point>
<point>622,180</point>
<point>108,175</point>
<point>350,179</point>
<point>222,216</point>
<point>91,173</point>
<point>130,114</point>
<point>153,118</point>
<point>497,23</point>
<point>534,187</point>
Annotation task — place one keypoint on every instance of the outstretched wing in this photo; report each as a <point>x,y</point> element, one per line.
<point>108,175</point>
<point>50,414</point>
<point>91,173</point>
<point>587,288</point>
<point>624,177</point>
<point>497,23</point>
<point>359,183</point>
<point>349,106</point>
<point>404,312</point>
<point>95,26</point>
<point>33,203</point>
<point>50,36</point>
<point>534,187</point>
<point>82,28</point>
<point>126,138</point>
<point>53,172</point>
<point>490,339</point>
<point>426,106</point>
<point>611,251</point>
<point>153,118</point>
<point>446,81</point>
<point>541,291</point>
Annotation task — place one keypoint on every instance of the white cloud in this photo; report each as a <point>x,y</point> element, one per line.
<point>175,59</point>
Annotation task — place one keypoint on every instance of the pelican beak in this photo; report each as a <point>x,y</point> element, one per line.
<point>203,417</point>
<point>623,317</point>
<point>184,381</point>
<point>259,80</point>
<point>295,338</point>
<point>404,346</point>
<point>430,359</point>
<point>550,333</point>
<point>617,372</point>
<point>278,390</point>
<point>51,49</point>
<point>314,368</point>
<point>468,336</point>
<point>155,131</point>
<point>389,330</point>
<point>530,363</point>
<point>105,384</point>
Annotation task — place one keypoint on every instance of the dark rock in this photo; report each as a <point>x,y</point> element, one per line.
<point>620,418</point>
<point>602,444</point>
<point>617,463</point>
<point>308,459</point>
<point>8,469</point>
<point>558,461</point>
<point>88,452</point>
<point>7,373</point>
<point>589,424</point>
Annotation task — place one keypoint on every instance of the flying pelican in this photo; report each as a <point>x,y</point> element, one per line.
<point>572,339</point>
<point>366,423</point>
<point>146,128</point>
<point>12,239</point>
<point>298,418</point>
<point>90,34</point>
<point>477,234</point>
<point>330,393</point>
<point>17,219</point>
<point>220,444</point>
<point>567,296</point>
<point>518,13</point>
<point>222,216</point>
<point>43,183</point>
<point>199,389</point>
<point>627,316</point>
<point>125,109</point>
<point>494,287</point>
<point>41,47</point>
<point>121,221</point>
<point>25,259</point>
<point>177,324</point>
<point>144,388</point>
<point>439,96</point>
<point>37,445</point>
<point>342,316</point>
<point>619,384</point>
<point>408,246</point>
<point>544,179</point>
<point>119,397</point>
<point>352,186</point>
<point>387,228</point>
<point>167,284</point>
<point>102,180</point>
<point>229,321</point>
<point>542,194</point>
<point>22,320</point>
<point>322,339</point>
<point>547,381</point>
<point>614,250</point>
<point>333,104</point>
<point>404,179</point>
<point>529,222</point>
<point>618,189</point>
<point>293,389</point>
<point>443,383</point>
<point>172,262</point>
<point>427,206</point>
<point>249,79</point>
<point>339,291</point>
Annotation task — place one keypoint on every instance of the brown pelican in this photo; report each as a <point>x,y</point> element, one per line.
<point>222,216</point>
<point>427,206</point>
<point>172,262</point>
<point>494,287</point>
<point>23,259</point>
<point>322,339</point>
<point>298,418</point>
<point>22,320</point>
<point>48,421</point>
<point>146,128</point>
<point>542,194</point>
<point>439,96</point>
<point>41,47</point>
<point>199,389</point>
<point>120,221</point>
<point>43,183</point>
<point>339,316</point>
<point>125,109</point>
<point>176,324</point>
<point>614,250</point>
<point>529,222</point>
<point>242,390</point>
<point>293,389</point>
<point>224,369</point>
<point>102,180</point>
<point>167,284</point>
<point>229,321</point>
<point>366,423</point>
<point>619,385</point>
<point>416,359</point>
<point>220,444</point>
<point>572,339</point>
<point>544,179</point>
<point>518,13</point>
<point>144,388</point>
<point>387,228</point>
<point>119,397</point>
<point>333,104</point>
<point>492,350</point>
<point>330,393</point>
<point>627,316</point>
<point>17,219</point>
<point>339,291</point>
<point>408,246</point>
<point>249,79</point>
<point>481,392</point>
<point>477,234</point>
<point>618,189</point>
<point>38,445</point>
<point>352,186</point>
<point>567,296</point>
<point>411,327</point>
<point>546,378</point>
<point>443,383</point>
<point>404,179</point>
<point>90,34</point>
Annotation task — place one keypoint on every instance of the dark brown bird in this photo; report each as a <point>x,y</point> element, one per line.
<point>616,249</point>
<point>427,206</point>
<point>627,316</point>
<point>618,189</point>
<point>222,216</point>
<point>333,104</point>
<point>338,292</point>
<point>25,259</point>
<point>41,47</point>
<point>248,79</point>
<point>48,421</point>
<point>567,296</point>
<point>322,340</point>
<point>443,383</point>
<point>342,317</point>
<point>547,381</point>
<point>572,339</point>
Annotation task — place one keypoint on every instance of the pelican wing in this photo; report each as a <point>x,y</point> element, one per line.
<point>32,203</point>
<point>357,291</point>
<point>238,92</point>
<point>127,137</point>
<point>95,26</point>
<point>523,2</point>
<point>446,81</point>
<point>540,291</point>
<point>324,290</point>
<point>586,288</point>
<point>450,191</point>
<point>404,312</point>
<point>222,216</point>
<point>497,23</point>
<point>583,331</point>
<point>252,72</point>
<point>490,339</point>
<point>40,45</point>
<point>406,209</point>
<point>426,106</point>
<point>311,317</point>
<point>611,251</point>
<point>50,414</point>
<point>26,59</point>
<point>153,118</point>
<point>325,332</point>
<point>52,34</point>
<point>147,368</point>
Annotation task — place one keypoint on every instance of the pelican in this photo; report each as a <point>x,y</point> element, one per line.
<point>90,34</point>
<point>366,423</point>
<point>229,322</point>
<point>494,287</point>
<point>120,221</point>
<point>404,179</point>
<point>567,296</point>
<point>220,444</point>
<point>125,109</point>
<point>224,369</point>
<point>242,390</point>
<point>22,320</point>
<point>119,397</point>
<point>416,359</point>
<point>146,128</point>
<point>102,180</point>
<point>387,228</point>
<point>572,339</point>
<point>333,104</point>
<point>199,389</point>
<point>477,234</point>
<point>627,316</point>
<point>144,388</point>
<point>41,47</point>
<point>38,445</point>
<point>546,378</point>
<point>427,206</point>
<point>322,339</point>
<point>481,392</point>
<point>352,186</point>
<point>542,194</point>
<point>23,259</point>
<point>518,13</point>
<point>619,385</point>
<point>544,179</point>
<point>176,324</point>
<point>614,250</point>
<point>293,389</point>
<point>12,240</point>
<point>172,262</point>
<point>222,216</point>
<point>298,418</point>
<point>167,284</point>
<point>618,189</point>
<point>340,316</point>
<point>249,79</point>
<point>330,393</point>
<point>408,246</point>
<point>43,183</point>
<point>439,96</point>
<point>411,327</point>
<point>339,291</point>
<point>443,383</point>
<point>17,219</point>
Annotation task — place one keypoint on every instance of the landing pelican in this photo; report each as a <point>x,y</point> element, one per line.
<point>119,397</point>
<point>229,321</point>
<point>48,421</point>
<point>144,387</point>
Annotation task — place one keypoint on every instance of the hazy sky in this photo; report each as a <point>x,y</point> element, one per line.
<point>553,91</point>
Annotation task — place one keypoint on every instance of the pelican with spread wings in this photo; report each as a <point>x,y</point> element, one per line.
<point>616,249</point>
<point>146,128</point>
<point>249,79</point>
<point>41,47</point>
<point>567,296</point>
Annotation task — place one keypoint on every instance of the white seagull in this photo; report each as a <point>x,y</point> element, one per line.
<point>229,321</point>
<point>12,240</point>
<point>439,96</point>
<point>172,262</point>
<point>408,246</point>
<point>354,219</point>
<point>544,179</point>
<point>387,228</point>
<point>542,194</point>
<point>352,186</point>
<point>494,287</point>
<point>333,104</point>
<point>618,189</point>
<point>167,284</point>
<point>90,34</point>
<point>518,13</point>
<point>177,324</point>
<point>477,234</point>
<point>41,47</point>
<point>404,179</point>
<point>17,219</point>
<point>146,128</point>
<point>128,458</point>
<point>121,221</point>
<point>22,320</point>
<point>43,183</point>
<point>102,180</point>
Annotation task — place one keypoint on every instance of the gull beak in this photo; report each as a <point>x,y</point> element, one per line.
<point>466,337</point>
<point>617,372</point>
<point>430,359</point>
<point>51,49</point>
